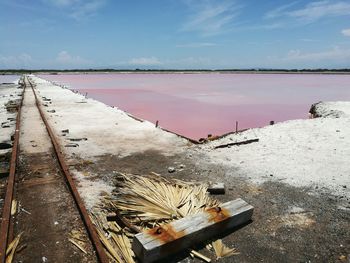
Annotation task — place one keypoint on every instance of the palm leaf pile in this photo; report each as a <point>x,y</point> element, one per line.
<point>117,241</point>
<point>143,202</point>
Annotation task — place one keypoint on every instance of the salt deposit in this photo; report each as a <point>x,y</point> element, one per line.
<point>305,153</point>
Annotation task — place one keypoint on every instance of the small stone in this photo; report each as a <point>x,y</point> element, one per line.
<point>181,166</point>
<point>342,258</point>
<point>271,175</point>
<point>171,169</point>
<point>344,186</point>
<point>273,201</point>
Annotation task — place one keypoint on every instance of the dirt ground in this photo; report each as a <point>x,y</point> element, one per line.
<point>289,224</point>
<point>49,214</point>
<point>46,213</point>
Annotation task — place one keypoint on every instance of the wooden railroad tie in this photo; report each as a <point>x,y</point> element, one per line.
<point>165,240</point>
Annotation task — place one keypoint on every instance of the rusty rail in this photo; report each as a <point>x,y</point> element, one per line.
<point>6,213</point>
<point>101,254</point>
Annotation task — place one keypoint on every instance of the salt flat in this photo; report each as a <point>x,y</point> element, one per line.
<point>308,153</point>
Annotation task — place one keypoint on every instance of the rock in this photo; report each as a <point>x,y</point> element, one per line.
<point>5,145</point>
<point>171,169</point>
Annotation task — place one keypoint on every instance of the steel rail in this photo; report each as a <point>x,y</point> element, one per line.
<point>101,254</point>
<point>6,213</point>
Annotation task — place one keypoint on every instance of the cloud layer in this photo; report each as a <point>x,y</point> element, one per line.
<point>67,59</point>
<point>311,12</point>
<point>145,61</point>
<point>211,17</point>
<point>346,32</point>
<point>78,9</point>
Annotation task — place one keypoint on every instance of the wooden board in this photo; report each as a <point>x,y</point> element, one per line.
<point>181,234</point>
<point>216,189</point>
<point>236,143</point>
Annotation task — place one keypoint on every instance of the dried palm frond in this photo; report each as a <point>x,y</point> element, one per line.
<point>114,238</point>
<point>11,249</point>
<point>159,200</point>
<point>77,240</point>
<point>141,203</point>
<point>77,244</point>
<point>223,251</point>
<point>13,207</point>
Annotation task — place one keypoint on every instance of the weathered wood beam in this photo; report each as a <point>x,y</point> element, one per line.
<point>236,143</point>
<point>165,240</point>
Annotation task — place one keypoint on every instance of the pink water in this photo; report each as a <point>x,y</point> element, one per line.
<point>8,78</point>
<point>196,105</point>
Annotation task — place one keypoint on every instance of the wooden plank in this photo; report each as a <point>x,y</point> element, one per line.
<point>236,143</point>
<point>181,234</point>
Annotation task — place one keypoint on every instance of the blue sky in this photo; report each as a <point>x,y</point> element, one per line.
<point>208,34</point>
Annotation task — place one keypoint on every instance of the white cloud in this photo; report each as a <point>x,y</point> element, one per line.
<point>346,32</point>
<point>211,17</point>
<point>189,62</point>
<point>67,59</point>
<point>264,26</point>
<point>145,61</point>
<point>195,45</point>
<point>334,54</point>
<point>335,57</point>
<point>78,9</point>
<point>62,3</point>
<point>18,61</point>
<point>309,40</point>
<point>278,11</point>
<point>87,9</point>
<point>311,12</point>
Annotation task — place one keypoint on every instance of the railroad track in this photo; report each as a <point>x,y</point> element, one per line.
<point>21,182</point>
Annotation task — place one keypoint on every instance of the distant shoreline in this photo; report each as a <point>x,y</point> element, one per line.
<point>174,71</point>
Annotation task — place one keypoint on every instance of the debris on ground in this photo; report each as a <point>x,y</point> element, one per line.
<point>171,169</point>
<point>236,143</point>
<point>217,189</point>
<point>145,203</point>
<point>221,250</point>
<point>11,249</point>
<point>77,239</point>
<point>13,207</point>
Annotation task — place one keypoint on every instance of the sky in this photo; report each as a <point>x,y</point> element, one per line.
<point>174,34</point>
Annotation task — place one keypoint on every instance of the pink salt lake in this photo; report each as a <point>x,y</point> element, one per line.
<point>196,105</point>
<point>8,78</point>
